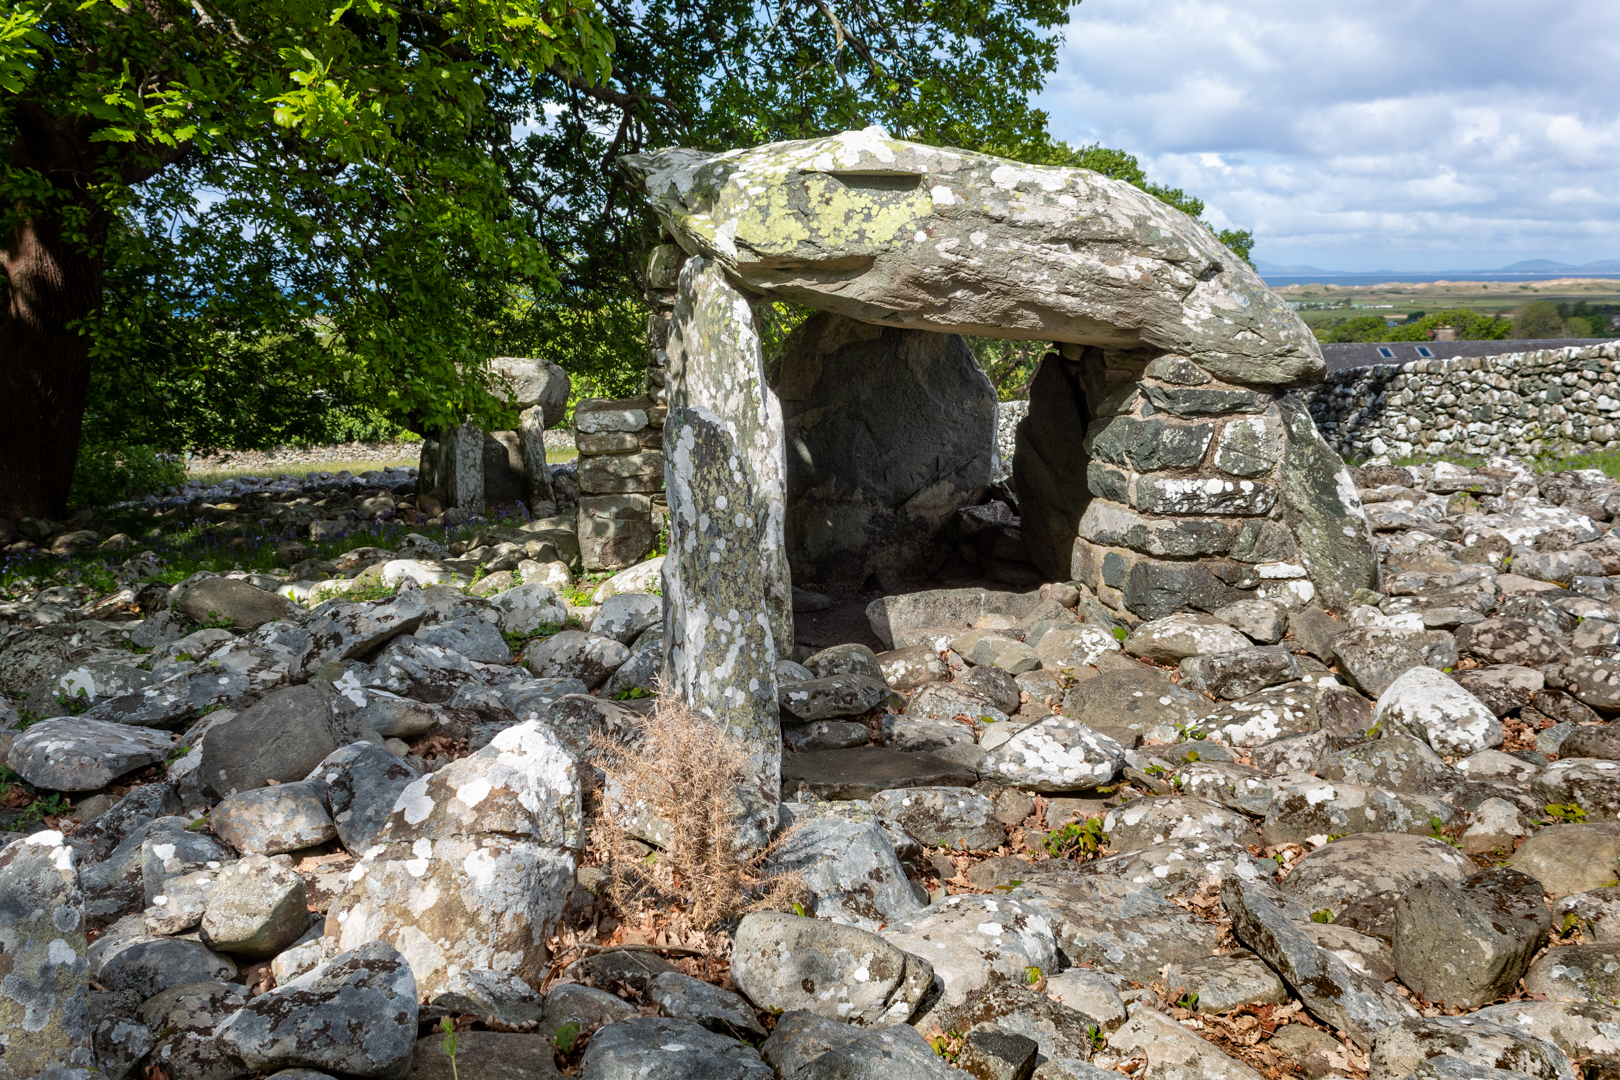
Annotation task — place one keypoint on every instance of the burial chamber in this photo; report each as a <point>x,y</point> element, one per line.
<point>1162,462</point>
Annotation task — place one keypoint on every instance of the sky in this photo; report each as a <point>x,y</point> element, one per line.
<point>1381,135</point>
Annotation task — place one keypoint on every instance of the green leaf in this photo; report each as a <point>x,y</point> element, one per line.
<point>567,1035</point>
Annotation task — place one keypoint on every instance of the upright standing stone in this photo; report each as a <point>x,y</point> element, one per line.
<point>461,467</point>
<point>728,602</point>
<point>720,647</point>
<point>531,434</point>
<point>44,988</point>
<point>1320,505</point>
<point>716,363</point>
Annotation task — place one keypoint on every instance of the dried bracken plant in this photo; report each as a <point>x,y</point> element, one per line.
<point>679,781</point>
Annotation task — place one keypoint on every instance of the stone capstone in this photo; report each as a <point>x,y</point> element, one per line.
<point>897,233</point>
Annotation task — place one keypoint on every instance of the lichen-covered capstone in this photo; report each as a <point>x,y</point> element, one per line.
<point>901,234</point>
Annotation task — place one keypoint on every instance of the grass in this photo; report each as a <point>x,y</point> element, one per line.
<point>219,476</point>
<point>181,544</point>
<point>1605,461</point>
<point>1487,298</point>
<point>555,455</point>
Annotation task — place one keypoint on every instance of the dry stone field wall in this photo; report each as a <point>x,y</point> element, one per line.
<point>1558,401</point>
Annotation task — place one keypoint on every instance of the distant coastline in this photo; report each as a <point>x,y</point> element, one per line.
<point>1452,278</point>
<point>1531,270</point>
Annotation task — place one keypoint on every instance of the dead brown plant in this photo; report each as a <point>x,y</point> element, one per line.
<point>682,775</point>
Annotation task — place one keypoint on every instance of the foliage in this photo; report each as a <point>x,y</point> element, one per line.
<point>290,197</point>
<point>1082,839</point>
<point>448,1028</point>
<point>1469,325</point>
<point>109,473</point>
<point>515,640</point>
<point>1360,328</point>
<point>1566,812</point>
<point>1586,320</point>
<point>323,218</point>
<point>1544,319</point>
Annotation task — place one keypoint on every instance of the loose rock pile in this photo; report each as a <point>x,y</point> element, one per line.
<point>290,834</point>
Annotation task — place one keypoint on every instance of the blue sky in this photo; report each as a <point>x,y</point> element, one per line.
<point>1386,134</point>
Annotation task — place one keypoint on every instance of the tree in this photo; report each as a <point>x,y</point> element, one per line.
<point>357,212</point>
<point>1539,319</point>
<point>1360,328</point>
<point>302,207</point>
<point>1469,326</point>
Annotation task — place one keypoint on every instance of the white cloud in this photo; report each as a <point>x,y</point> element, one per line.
<point>1384,136</point>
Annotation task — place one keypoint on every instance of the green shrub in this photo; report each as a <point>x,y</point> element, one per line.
<point>108,474</point>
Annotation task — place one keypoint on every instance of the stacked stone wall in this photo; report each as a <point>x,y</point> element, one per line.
<point>621,479</point>
<point>1552,401</point>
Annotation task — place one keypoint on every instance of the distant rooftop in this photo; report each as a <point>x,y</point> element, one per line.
<point>1359,354</point>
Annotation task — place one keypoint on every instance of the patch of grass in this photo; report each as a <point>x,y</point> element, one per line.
<point>211,477</point>
<point>515,641</point>
<point>180,543</point>
<point>1605,461</point>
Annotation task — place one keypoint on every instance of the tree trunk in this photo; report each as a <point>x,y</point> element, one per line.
<point>44,365</point>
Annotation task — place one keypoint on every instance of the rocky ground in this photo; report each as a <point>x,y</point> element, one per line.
<point>293,817</point>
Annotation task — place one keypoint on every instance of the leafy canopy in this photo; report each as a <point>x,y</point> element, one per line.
<point>1469,325</point>
<point>290,195</point>
<point>318,206</point>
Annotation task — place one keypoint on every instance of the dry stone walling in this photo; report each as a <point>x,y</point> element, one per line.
<point>1161,464</point>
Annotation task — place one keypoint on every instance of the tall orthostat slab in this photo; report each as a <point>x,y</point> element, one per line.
<point>727,597</point>
<point>716,363</point>
<point>927,238</point>
<point>1320,505</point>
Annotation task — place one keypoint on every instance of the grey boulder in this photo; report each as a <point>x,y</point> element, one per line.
<point>849,868</point>
<point>573,654</point>
<point>354,1015</point>
<point>831,697</point>
<point>271,820</point>
<point>256,908</point>
<point>1467,943</point>
<point>648,1046</point>
<point>786,963</point>
<point>1403,1047</point>
<point>281,737</point>
<point>44,1019</point>
<point>1373,657</point>
<point>942,817</point>
<point>76,754</point>
<point>362,781</point>
<point>1428,705</point>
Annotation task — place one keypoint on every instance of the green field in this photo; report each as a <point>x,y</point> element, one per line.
<point>1324,305</point>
